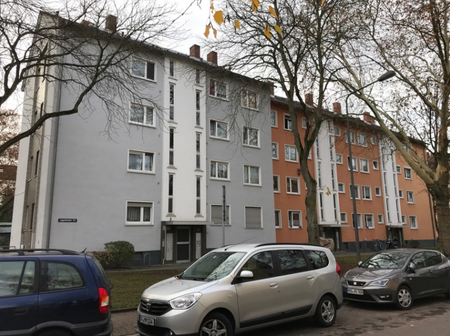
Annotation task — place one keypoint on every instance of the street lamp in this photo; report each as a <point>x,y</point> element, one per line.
<point>385,76</point>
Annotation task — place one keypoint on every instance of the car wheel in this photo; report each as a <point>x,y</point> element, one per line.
<point>216,324</point>
<point>54,332</point>
<point>447,292</point>
<point>404,298</point>
<point>326,312</point>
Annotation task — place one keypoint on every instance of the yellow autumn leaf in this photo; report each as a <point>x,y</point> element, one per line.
<point>215,32</point>
<point>237,24</point>
<point>267,32</point>
<point>272,11</point>
<point>218,17</point>
<point>208,27</point>
<point>323,1</point>
<point>255,5</point>
<point>278,29</point>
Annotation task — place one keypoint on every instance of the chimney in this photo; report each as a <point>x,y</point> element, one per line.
<point>111,23</point>
<point>86,23</point>
<point>309,99</point>
<point>337,108</point>
<point>194,51</point>
<point>212,57</point>
<point>368,118</point>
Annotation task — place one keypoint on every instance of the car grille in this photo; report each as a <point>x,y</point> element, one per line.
<point>355,283</point>
<point>365,297</point>
<point>154,307</point>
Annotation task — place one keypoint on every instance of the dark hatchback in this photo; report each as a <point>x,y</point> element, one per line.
<point>399,277</point>
<point>53,293</point>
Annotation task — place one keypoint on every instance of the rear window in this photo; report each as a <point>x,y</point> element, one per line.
<point>16,278</point>
<point>292,261</point>
<point>318,259</point>
<point>59,276</point>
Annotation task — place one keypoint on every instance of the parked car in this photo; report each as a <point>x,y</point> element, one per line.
<point>398,277</point>
<point>47,292</point>
<point>241,287</point>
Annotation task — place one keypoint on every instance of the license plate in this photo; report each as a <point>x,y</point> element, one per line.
<point>355,291</point>
<point>147,320</point>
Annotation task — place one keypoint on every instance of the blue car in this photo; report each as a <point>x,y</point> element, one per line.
<point>49,292</point>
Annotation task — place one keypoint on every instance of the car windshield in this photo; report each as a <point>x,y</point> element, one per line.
<point>386,260</point>
<point>213,266</point>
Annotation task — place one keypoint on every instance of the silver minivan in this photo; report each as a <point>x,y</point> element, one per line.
<point>241,287</point>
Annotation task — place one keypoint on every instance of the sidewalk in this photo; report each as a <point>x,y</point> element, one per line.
<point>125,323</point>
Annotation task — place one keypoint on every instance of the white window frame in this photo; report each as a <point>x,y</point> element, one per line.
<point>352,137</point>
<point>277,214</point>
<point>142,206</point>
<point>260,217</point>
<point>343,217</point>
<point>373,140</point>
<point>339,158</point>
<point>247,175</point>
<point>415,226</point>
<point>216,170</point>
<point>362,140</point>
<point>366,216</point>
<point>287,121</point>
<point>273,118</point>
<point>288,151</point>
<point>277,179</point>
<point>364,190</point>
<point>358,221</point>
<point>214,88</point>
<point>380,218</point>
<point>356,187</point>
<point>143,155</point>
<point>246,136</point>
<point>375,165</point>
<point>172,68</point>
<point>291,213</point>
<point>214,129</point>
<point>289,181</point>
<point>337,131</point>
<point>246,101</point>
<point>147,113</point>
<point>146,64</point>
<point>398,169</point>
<point>341,188</point>
<point>400,193</point>
<point>410,197</point>
<point>403,219</point>
<point>377,191</point>
<point>275,147</point>
<point>354,160</point>
<point>408,173</point>
<point>361,166</point>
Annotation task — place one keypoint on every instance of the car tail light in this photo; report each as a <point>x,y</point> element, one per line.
<point>338,269</point>
<point>103,300</point>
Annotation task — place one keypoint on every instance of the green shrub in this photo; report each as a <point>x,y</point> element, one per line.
<point>104,257</point>
<point>122,252</point>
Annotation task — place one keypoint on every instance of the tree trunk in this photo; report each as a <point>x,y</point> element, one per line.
<point>311,202</point>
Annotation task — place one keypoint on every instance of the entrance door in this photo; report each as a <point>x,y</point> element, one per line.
<point>183,244</point>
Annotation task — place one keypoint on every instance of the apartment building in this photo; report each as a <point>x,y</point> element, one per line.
<point>161,181</point>
<point>387,191</point>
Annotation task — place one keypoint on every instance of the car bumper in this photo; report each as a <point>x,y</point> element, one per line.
<point>372,295</point>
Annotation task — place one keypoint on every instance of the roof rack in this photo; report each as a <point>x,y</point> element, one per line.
<point>281,244</point>
<point>29,251</point>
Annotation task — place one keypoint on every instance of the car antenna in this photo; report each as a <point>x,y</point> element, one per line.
<point>226,248</point>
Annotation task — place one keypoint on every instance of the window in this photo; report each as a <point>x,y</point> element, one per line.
<point>292,185</point>
<point>366,193</point>
<point>295,219</point>
<point>304,123</point>
<point>407,173</point>
<point>368,219</point>
<point>140,161</point>
<point>373,140</point>
<point>218,129</point>
<point>362,140</point>
<point>249,99</point>
<point>171,147</point>
<point>377,191</point>
<point>218,89</point>
<point>140,114</point>
<point>410,197</point>
<point>219,170</point>
<point>337,130</point>
<point>341,188</point>
<point>12,282</point>
<point>339,158</point>
<point>197,76</point>
<point>318,259</point>
<point>251,136</point>
<point>277,219</point>
<point>198,194</point>
<point>171,68</point>
<point>413,222</point>
<point>287,122</point>
<point>170,193</point>
<point>403,220</point>
<point>400,193</point>
<point>380,219</point>
<point>276,183</point>
<point>343,217</point>
<point>419,260</point>
<point>143,69</point>
<point>292,261</point>
<point>363,165</point>
<point>354,163</point>
<point>375,165</point>
<point>261,265</point>
<point>197,107</point>
<point>358,219</point>
<point>352,137</point>
<point>273,118</point>
<point>290,153</point>
<point>253,218</point>
<point>139,213</point>
<point>198,150</point>
<point>398,169</point>
<point>217,214</point>
<point>355,191</point>
<point>57,275</point>
<point>36,164</point>
<point>171,101</point>
<point>251,175</point>
<point>274,150</point>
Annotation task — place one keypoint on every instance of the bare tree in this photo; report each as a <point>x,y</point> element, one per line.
<point>288,43</point>
<point>413,39</point>
<point>93,39</point>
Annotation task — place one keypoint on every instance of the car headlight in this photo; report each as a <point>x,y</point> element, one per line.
<point>379,283</point>
<point>185,301</point>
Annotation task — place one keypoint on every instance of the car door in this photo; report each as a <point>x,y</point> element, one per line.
<point>259,299</point>
<point>421,276</point>
<point>438,273</point>
<point>18,297</point>
<point>297,283</point>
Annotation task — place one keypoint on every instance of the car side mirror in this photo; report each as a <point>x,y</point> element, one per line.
<point>243,276</point>
<point>359,263</point>
<point>411,268</point>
